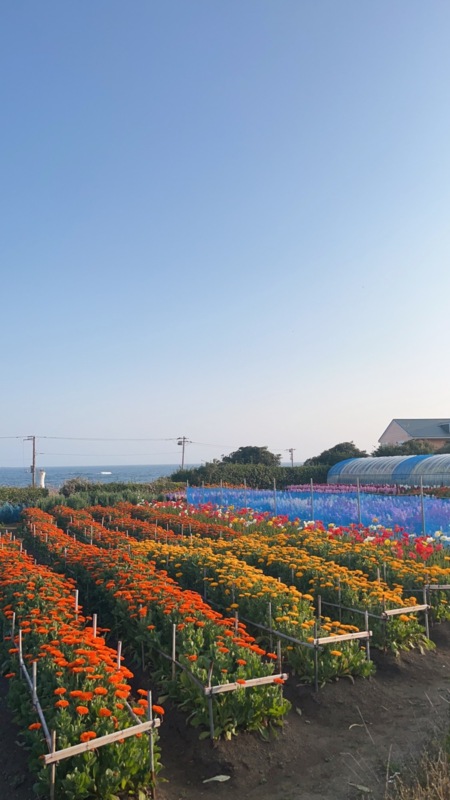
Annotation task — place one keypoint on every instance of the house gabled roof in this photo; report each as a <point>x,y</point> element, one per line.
<point>425,428</point>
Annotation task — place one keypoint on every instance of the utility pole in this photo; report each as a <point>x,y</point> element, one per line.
<point>291,451</point>
<point>33,465</point>
<point>183,441</point>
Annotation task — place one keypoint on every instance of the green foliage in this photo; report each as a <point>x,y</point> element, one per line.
<point>253,455</point>
<point>256,476</point>
<point>335,454</point>
<point>21,496</point>
<point>413,447</point>
<point>79,493</point>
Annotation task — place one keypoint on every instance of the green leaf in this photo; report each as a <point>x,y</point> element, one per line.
<point>204,735</point>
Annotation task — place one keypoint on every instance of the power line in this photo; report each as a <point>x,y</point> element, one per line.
<point>102,455</point>
<point>103,439</point>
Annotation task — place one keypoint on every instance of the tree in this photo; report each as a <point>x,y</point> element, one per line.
<point>413,447</point>
<point>443,450</point>
<point>337,453</point>
<point>253,455</point>
<point>75,485</point>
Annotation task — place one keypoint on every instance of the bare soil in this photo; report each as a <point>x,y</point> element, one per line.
<point>345,743</point>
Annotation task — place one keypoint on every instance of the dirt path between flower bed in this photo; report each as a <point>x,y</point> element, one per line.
<point>331,744</point>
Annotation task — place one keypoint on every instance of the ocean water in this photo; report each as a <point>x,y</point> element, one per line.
<point>56,476</point>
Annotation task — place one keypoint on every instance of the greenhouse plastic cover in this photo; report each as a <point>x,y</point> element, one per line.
<point>405,470</point>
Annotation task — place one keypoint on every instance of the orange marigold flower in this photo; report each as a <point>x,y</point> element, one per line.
<point>34,726</point>
<point>61,690</point>
<point>81,709</point>
<point>10,675</point>
<point>280,681</point>
<point>87,736</point>
<point>61,704</point>
<point>139,711</point>
<point>240,681</point>
<point>100,690</point>
<point>104,712</point>
<point>192,658</point>
<point>158,710</point>
<point>241,661</point>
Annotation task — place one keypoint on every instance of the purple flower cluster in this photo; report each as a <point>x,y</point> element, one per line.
<point>417,515</point>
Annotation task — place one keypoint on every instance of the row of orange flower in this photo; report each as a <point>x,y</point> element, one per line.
<point>145,604</point>
<point>81,685</point>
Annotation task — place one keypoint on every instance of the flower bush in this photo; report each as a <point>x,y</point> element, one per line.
<point>78,683</point>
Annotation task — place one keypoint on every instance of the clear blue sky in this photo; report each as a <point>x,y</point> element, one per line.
<point>225,220</point>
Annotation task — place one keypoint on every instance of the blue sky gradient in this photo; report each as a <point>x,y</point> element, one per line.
<point>223,220</point>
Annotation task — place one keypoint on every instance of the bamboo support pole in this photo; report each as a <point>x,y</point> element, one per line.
<point>174,650</point>
<point>316,660</point>
<point>210,701</point>
<point>151,746</point>
<point>94,744</point>
<point>231,687</point>
<point>53,768</point>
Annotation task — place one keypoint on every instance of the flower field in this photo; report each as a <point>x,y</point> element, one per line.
<point>417,515</point>
<point>151,612</point>
<point>214,604</point>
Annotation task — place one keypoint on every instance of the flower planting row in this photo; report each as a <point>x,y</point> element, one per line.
<point>175,516</point>
<point>239,587</point>
<point>393,559</point>
<point>80,689</point>
<point>318,565</point>
<point>416,514</point>
<point>235,585</point>
<point>216,657</point>
<point>406,563</point>
<point>277,553</point>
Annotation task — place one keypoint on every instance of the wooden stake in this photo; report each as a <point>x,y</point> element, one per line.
<point>210,702</point>
<point>53,769</point>
<point>174,650</point>
<point>316,660</point>
<point>151,746</point>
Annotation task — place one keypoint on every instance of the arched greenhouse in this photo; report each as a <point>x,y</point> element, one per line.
<point>401,470</point>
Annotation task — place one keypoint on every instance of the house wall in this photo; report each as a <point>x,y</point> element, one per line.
<point>394,434</point>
